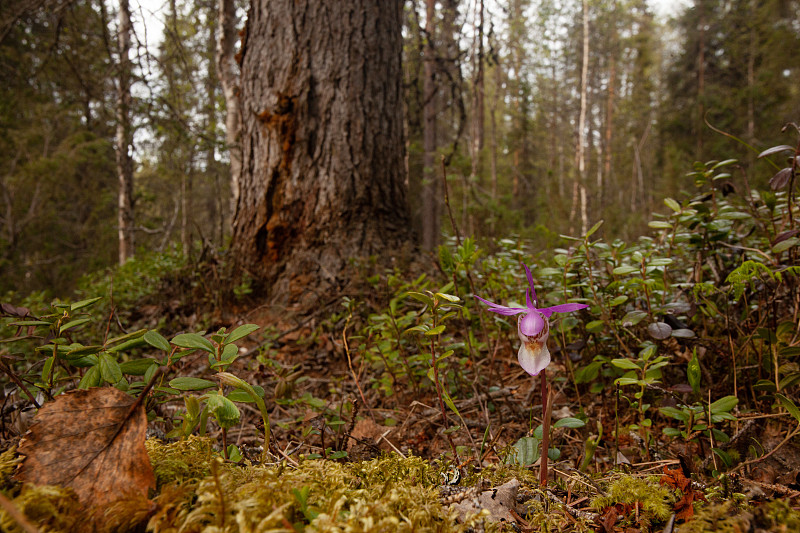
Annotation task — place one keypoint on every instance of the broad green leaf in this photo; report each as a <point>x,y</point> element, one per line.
<point>569,422</point>
<point>91,378</point>
<point>693,373</point>
<point>192,405</point>
<point>48,368</point>
<point>625,269</point>
<point>422,328</point>
<point>672,204</point>
<point>187,383</point>
<point>156,340</point>
<point>241,395</point>
<point>137,367</point>
<point>588,373</point>
<point>790,406</point>
<point>676,413</point>
<point>785,245</point>
<point>241,332</point>
<point>724,405</point>
<point>725,163</point>
<point>626,381</point>
<point>224,410</point>
<point>229,353</point>
<point>129,344</point>
<point>621,299</point>
<point>424,298</point>
<point>659,330</point>
<point>85,361</point>
<point>84,303</point>
<point>193,341</point>
<point>671,432</point>
<point>593,229</point>
<point>449,297</point>
<point>725,456</point>
<point>132,335</point>
<point>435,331</point>
<point>151,370</point>
<point>30,323</point>
<point>765,385</point>
<point>109,369</point>
<point>525,452</point>
<point>595,326</point>
<point>659,224</point>
<point>625,364</point>
<point>82,351</point>
<point>73,324</point>
<point>659,261</point>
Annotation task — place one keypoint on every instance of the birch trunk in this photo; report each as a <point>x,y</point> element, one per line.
<point>124,137</point>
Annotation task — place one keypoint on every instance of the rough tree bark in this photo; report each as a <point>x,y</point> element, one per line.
<point>124,138</point>
<point>228,77</point>
<point>323,176</point>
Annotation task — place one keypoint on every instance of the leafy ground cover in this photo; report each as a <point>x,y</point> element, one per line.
<point>399,402</point>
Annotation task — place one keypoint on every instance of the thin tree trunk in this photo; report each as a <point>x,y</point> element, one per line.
<point>498,96</point>
<point>430,189</point>
<point>124,137</point>
<point>579,188</point>
<point>212,172</point>
<point>476,136</point>
<point>323,178</point>
<point>609,132</point>
<point>701,80</point>
<point>228,76</point>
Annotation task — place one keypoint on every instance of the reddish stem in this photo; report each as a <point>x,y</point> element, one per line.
<point>545,431</point>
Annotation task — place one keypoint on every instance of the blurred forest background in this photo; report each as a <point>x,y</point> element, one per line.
<point>549,114</point>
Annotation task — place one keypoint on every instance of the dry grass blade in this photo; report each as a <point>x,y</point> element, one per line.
<point>92,441</point>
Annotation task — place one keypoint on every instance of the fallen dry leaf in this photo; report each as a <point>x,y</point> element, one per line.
<point>92,441</point>
<point>677,480</point>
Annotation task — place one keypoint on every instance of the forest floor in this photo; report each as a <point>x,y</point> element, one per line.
<point>399,404</point>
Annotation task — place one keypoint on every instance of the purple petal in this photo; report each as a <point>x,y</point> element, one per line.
<point>528,300</point>
<point>563,308</point>
<point>508,311</point>
<point>532,324</point>
<point>500,309</point>
<point>530,282</point>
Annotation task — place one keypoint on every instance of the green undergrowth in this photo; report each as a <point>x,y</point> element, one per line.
<point>198,492</point>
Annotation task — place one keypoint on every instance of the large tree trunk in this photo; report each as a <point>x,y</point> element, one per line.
<point>323,153</point>
<point>124,135</point>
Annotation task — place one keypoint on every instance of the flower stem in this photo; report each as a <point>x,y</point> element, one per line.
<point>546,414</point>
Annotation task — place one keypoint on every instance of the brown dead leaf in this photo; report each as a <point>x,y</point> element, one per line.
<point>91,441</point>
<point>677,480</point>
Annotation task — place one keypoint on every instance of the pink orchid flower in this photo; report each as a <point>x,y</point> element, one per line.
<point>533,327</point>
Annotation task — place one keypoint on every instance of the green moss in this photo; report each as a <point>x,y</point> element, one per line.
<point>180,461</point>
<point>386,494</point>
<point>8,464</point>
<point>777,515</point>
<point>48,507</point>
<point>654,500</point>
